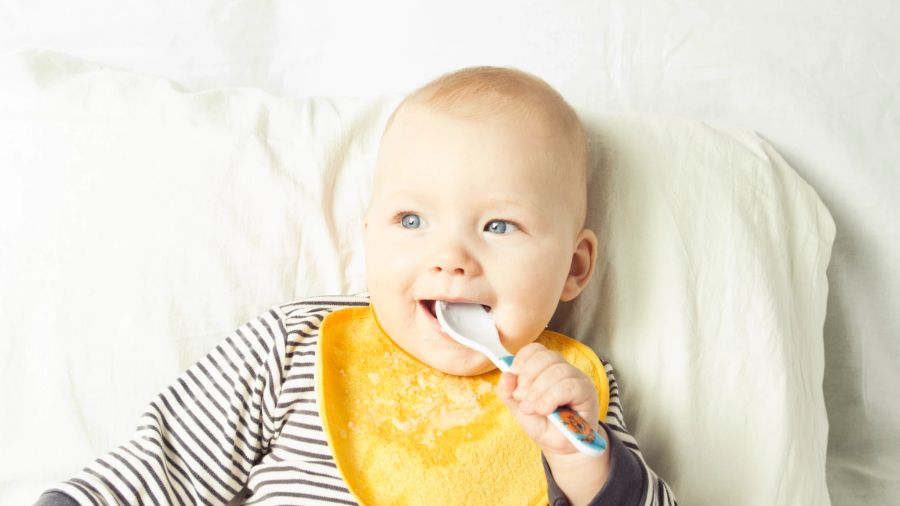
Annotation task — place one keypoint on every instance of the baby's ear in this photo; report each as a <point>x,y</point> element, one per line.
<point>582,266</point>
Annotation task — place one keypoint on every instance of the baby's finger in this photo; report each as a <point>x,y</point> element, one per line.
<point>531,367</point>
<point>524,354</point>
<point>561,394</point>
<point>506,384</point>
<point>552,375</point>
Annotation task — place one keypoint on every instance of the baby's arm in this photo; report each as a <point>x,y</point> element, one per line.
<point>541,382</point>
<point>198,439</point>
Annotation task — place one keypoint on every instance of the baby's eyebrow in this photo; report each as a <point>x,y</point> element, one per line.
<point>489,201</point>
<point>403,193</point>
<point>522,204</point>
<point>403,198</point>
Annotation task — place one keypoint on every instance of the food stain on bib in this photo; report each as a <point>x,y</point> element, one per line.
<point>410,404</point>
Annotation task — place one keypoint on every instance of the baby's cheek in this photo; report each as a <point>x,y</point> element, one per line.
<point>519,331</point>
<point>512,339</point>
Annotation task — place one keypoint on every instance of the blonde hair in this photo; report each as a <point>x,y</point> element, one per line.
<point>482,91</point>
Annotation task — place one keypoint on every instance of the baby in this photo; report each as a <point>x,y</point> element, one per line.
<point>479,196</point>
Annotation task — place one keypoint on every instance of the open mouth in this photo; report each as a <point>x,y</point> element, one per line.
<point>428,306</point>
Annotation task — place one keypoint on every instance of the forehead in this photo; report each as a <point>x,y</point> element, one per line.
<point>427,142</point>
<point>432,159</point>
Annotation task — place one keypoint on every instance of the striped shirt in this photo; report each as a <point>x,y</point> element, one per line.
<point>242,426</point>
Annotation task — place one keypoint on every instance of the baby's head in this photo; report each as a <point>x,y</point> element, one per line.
<point>479,196</point>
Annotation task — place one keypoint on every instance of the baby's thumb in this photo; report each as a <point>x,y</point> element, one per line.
<point>505,387</point>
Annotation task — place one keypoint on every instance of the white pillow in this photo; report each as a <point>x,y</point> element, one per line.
<point>710,302</point>
<point>140,223</point>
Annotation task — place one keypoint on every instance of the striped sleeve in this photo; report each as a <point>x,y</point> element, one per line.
<point>631,482</point>
<point>648,489</point>
<point>200,437</point>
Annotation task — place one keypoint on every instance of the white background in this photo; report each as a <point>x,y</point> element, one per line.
<point>819,80</point>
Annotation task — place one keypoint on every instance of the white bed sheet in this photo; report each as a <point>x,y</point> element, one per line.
<point>819,80</point>
<point>150,220</point>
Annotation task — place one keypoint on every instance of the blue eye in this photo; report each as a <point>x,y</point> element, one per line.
<point>500,227</point>
<point>410,220</point>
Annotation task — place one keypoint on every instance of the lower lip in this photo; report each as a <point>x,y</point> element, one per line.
<point>435,323</point>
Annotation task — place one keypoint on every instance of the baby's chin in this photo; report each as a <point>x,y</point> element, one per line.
<point>467,363</point>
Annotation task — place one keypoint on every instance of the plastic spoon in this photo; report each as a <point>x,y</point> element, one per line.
<point>472,326</point>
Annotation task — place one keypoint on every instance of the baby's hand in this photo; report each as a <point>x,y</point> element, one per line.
<point>540,381</point>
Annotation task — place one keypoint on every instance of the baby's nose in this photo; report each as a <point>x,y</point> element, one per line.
<point>455,260</point>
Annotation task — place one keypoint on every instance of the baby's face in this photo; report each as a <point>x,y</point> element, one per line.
<point>466,210</point>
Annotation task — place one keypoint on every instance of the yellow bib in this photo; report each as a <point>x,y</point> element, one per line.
<point>404,433</point>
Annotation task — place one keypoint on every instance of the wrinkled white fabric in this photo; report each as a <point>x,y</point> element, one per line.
<point>818,80</point>
<point>142,223</point>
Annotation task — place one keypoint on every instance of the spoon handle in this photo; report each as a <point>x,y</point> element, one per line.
<point>577,431</point>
